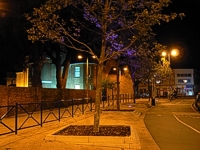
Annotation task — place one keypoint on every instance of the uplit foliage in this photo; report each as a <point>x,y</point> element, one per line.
<point>107,83</point>
<point>163,70</point>
<point>116,24</point>
<point>125,22</point>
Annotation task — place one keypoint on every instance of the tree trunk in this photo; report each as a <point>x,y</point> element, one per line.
<point>100,68</point>
<point>61,61</point>
<point>98,99</point>
<point>58,75</point>
<point>118,87</point>
<point>36,56</point>
<point>134,90</point>
<point>36,78</point>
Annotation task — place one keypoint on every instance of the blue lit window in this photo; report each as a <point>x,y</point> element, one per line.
<point>183,80</point>
<point>77,72</point>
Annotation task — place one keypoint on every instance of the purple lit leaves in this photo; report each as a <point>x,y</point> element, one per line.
<point>91,18</point>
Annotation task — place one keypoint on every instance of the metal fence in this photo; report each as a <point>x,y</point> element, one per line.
<point>21,116</point>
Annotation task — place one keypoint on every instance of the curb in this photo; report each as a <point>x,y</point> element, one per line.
<point>131,142</point>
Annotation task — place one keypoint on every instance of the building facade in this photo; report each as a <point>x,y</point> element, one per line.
<point>185,81</point>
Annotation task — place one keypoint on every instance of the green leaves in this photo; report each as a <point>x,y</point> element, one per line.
<point>107,83</point>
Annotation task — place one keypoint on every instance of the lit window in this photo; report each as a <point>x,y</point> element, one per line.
<point>77,86</point>
<point>184,81</point>
<point>77,72</point>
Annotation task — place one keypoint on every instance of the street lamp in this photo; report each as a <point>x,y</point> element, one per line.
<point>173,52</point>
<point>87,74</point>
<point>118,69</point>
<point>153,102</point>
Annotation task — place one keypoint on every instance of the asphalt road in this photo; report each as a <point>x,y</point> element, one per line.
<point>174,125</point>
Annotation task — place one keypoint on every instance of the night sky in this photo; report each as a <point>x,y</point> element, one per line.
<point>182,34</point>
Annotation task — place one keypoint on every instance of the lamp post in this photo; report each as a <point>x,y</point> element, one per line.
<point>87,74</point>
<point>118,69</point>
<point>168,54</point>
<point>158,82</point>
<point>86,79</point>
<point>153,102</point>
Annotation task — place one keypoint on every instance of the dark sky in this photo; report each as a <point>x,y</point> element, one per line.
<point>182,34</point>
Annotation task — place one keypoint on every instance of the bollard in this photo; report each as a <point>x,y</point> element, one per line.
<point>153,101</point>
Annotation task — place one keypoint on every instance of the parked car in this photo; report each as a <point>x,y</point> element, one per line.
<point>143,95</point>
<point>197,101</point>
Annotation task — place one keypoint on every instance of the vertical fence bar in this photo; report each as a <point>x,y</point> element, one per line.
<point>72,107</point>
<point>59,104</point>
<point>41,104</point>
<point>91,104</point>
<point>82,105</point>
<point>108,100</point>
<point>16,119</point>
<point>103,103</point>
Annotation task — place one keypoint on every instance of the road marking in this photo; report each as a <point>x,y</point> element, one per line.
<point>186,125</point>
<point>179,102</point>
<point>193,107</point>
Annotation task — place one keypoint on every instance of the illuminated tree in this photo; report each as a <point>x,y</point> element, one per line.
<point>116,24</point>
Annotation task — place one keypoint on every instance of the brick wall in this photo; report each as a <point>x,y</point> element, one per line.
<point>126,85</point>
<point>12,95</point>
<point>25,95</point>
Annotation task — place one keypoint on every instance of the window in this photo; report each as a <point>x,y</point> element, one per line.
<point>183,80</point>
<point>183,75</point>
<point>77,72</point>
<point>77,86</point>
<point>89,72</point>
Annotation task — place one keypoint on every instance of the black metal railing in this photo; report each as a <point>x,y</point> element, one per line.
<point>22,116</point>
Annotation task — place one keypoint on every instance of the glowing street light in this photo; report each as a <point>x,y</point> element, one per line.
<point>118,71</point>
<point>173,52</point>
<point>87,74</point>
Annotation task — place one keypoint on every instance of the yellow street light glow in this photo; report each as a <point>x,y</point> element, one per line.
<point>114,68</point>
<point>175,52</point>
<point>164,53</point>
<point>125,69</point>
<point>80,57</point>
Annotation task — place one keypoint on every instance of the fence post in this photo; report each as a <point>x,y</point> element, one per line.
<point>59,104</point>
<point>72,107</point>
<point>16,119</point>
<point>90,104</point>
<point>41,108</point>
<point>82,105</point>
<point>108,100</point>
<point>113,100</point>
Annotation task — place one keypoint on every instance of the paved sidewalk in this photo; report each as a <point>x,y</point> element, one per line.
<point>35,138</point>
